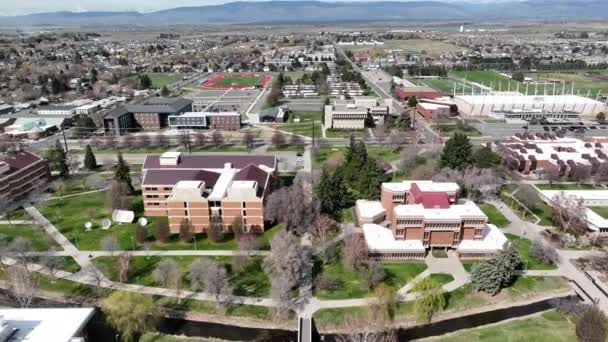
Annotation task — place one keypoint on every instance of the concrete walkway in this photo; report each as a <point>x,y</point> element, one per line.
<point>16,222</point>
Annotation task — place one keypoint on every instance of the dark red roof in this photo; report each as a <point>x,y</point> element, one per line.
<point>253,173</point>
<point>171,177</point>
<point>212,161</point>
<point>19,160</point>
<point>429,199</point>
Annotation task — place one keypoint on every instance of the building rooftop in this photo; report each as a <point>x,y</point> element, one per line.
<point>213,162</point>
<point>159,105</point>
<point>369,209</point>
<point>455,212</point>
<point>423,185</point>
<point>380,239</point>
<point>18,161</point>
<point>47,325</point>
<point>493,240</point>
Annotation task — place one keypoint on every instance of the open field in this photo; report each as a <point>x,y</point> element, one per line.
<point>161,79</point>
<point>249,81</point>
<point>490,79</point>
<point>40,240</point>
<point>417,46</point>
<point>602,211</point>
<point>530,262</point>
<point>586,82</point>
<point>548,326</point>
<point>448,85</point>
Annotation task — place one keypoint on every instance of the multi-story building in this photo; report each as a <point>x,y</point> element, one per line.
<point>22,173</point>
<point>413,216</point>
<point>351,114</point>
<point>211,120</point>
<point>200,188</point>
<point>150,114</point>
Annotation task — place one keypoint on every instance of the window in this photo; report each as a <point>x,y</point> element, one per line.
<point>185,204</point>
<point>167,188</point>
<point>185,212</point>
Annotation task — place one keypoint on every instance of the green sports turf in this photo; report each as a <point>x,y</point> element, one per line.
<point>240,80</point>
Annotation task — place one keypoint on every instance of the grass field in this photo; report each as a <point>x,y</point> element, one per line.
<point>465,297</point>
<point>586,82</point>
<point>494,215</point>
<point>447,85</point>
<point>602,211</point>
<point>523,247</point>
<point>326,153</point>
<point>301,116</point>
<point>489,79</point>
<point>40,240</point>
<point>249,81</point>
<point>449,130</point>
<point>161,79</point>
<point>70,215</point>
<point>353,283</point>
<point>548,326</point>
<point>304,128</point>
<point>252,281</point>
<point>417,46</point>
<point>558,186</point>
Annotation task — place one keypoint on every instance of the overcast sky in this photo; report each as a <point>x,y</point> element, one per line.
<point>15,7</point>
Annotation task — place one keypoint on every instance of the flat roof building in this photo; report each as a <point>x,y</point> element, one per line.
<point>44,324</point>
<point>209,120</point>
<point>413,216</point>
<point>489,105</point>
<point>198,188</point>
<point>352,114</point>
<point>22,173</point>
<point>543,152</point>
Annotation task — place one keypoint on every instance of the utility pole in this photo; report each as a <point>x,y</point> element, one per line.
<point>65,142</point>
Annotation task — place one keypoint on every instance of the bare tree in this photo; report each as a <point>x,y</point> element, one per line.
<point>321,230</point>
<point>123,267</point>
<point>278,139</point>
<point>379,132</point>
<point>95,273</point>
<point>52,265</point>
<point>481,183</point>
<point>215,231</point>
<point>288,259</point>
<point>162,141</point>
<point>280,292</point>
<point>165,274</point>
<point>20,247</point>
<point>216,282</point>
<point>23,286</point>
<point>199,139</point>
<point>109,244</point>
<point>544,252</point>
<point>249,140</point>
<point>569,214</point>
<point>295,200</point>
<point>217,138</point>
<point>196,274</point>
<point>185,231</point>
<point>354,252</point>
<point>407,158</point>
<point>528,197</point>
<point>396,139</point>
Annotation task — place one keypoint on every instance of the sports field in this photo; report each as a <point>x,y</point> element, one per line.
<point>237,81</point>
<point>250,81</point>
<point>489,79</point>
<point>417,46</point>
<point>447,85</point>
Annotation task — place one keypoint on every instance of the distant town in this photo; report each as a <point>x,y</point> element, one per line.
<point>330,181</point>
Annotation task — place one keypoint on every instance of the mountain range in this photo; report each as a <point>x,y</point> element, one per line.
<point>321,12</point>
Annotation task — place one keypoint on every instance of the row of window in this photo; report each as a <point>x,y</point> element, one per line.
<point>148,188</point>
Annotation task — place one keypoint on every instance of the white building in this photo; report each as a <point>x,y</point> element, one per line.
<point>488,105</point>
<point>45,325</point>
<point>351,114</point>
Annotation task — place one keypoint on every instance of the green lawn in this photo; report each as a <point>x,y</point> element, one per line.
<point>304,116</point>
<point>251,282</point>
<point>249,81</point>
<point>70,215</point>
<point>549,326</point>
<point>18,214</point>
<point>40,240</point>
<point>541,209</point>
<point>161,79</point>
<point>347,215</point>
<point>353,283</point>
<point>325,153</point>
<point>523,247</point>
<point>465,297</point>
<point>344,133</point>
<point>490,79</point>
<point>222,148</point>
<point>494,215</point>
<point>602,211</point>
<point>297,149</point>
<point>449,130</point>
<point>561,186</point>
<point>303,128</point>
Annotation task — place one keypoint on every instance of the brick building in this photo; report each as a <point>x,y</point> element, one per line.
<point>431,111</point>
<point>200,188</point>
<point>230,121</point>
<point>21,174</point>
<point>414,216</point>
<point>150,114</point>
<point>404,93</point>
<point>352,114</point>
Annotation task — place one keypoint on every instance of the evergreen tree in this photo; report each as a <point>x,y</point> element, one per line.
<point>412,102</point>
<point>122,172</point>
<point>58,160</point>
<point>145,82</point>
<point>89,159</point>
<point>164,91</point>
<point>457,152</point>
<point>485,158</point>
<point>333,194</point>
<point>404,122</point>
<point>369,180</point>
<point>496,273</point>
<point>85,126</point>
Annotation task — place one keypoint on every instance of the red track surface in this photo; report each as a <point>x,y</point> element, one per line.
<point>212,82</point>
